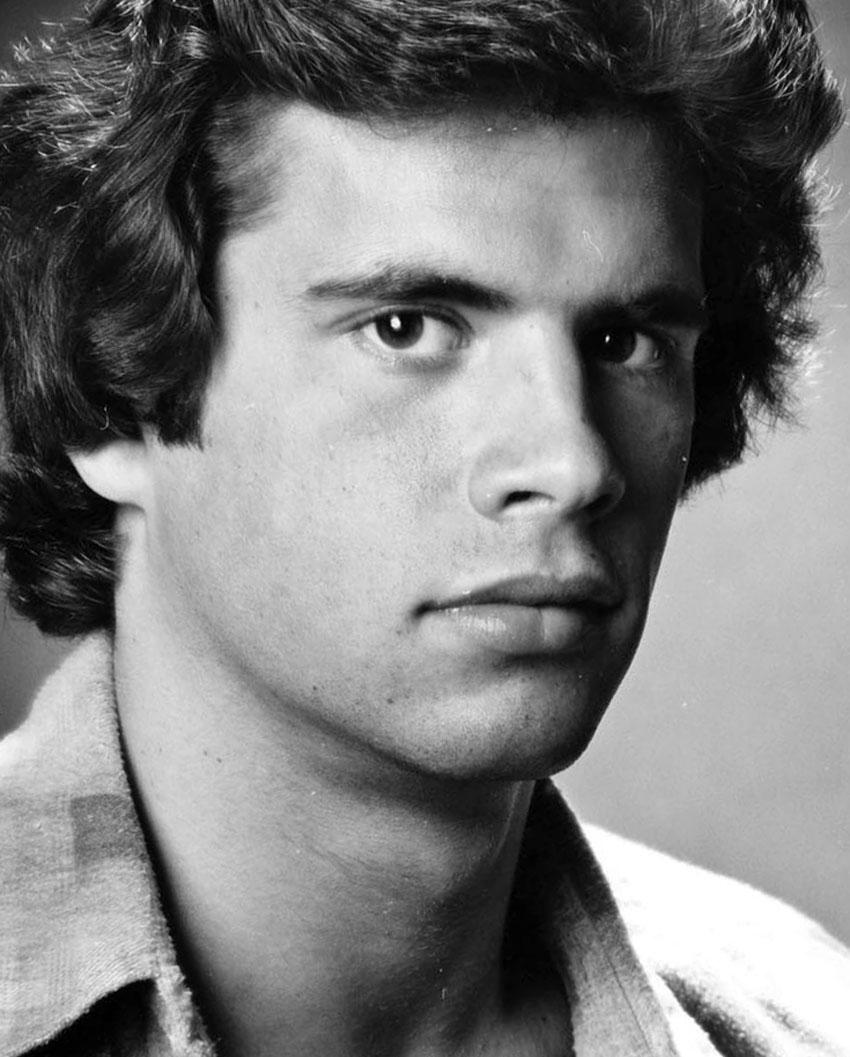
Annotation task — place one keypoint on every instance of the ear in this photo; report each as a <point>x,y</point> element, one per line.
<point>117,470</point>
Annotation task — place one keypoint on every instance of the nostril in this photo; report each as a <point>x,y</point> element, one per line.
<point>609,497</point>
<point>593,507</point>
<point>601,505</point>
<point>519,497</point>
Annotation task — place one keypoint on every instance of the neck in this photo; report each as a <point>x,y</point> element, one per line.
<point>319,895</point>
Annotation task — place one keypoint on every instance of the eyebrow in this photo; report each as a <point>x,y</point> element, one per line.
<point>666,303</point>
<point>406,283</point>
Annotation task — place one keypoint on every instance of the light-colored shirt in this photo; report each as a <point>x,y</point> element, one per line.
<point>658,958</point>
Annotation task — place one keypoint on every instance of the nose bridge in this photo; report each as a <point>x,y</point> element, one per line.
<point>539,443</point>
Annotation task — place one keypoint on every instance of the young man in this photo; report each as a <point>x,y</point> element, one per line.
<point>355,358</point>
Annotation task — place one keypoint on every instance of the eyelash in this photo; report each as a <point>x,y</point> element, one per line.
<point>410,357</point>
<point>668,351</point>
<point>665,348</point>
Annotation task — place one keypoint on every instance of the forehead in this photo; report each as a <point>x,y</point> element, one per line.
<point>477,189</point>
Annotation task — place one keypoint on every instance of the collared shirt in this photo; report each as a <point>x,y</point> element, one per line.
<point>87,966</point>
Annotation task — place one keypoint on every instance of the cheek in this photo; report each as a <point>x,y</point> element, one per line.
<point>651,445</point>
<point>319,490</point>
<point>650,434</point>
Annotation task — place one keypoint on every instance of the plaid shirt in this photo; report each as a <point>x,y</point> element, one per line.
<point>87,968</point>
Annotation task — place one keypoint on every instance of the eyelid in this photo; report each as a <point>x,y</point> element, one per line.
<point>356,325</point>
<point>362,317</point>
<point>656,319</point>
<point>679,339</point>
<point>673,335</point>
<point>668,352</point>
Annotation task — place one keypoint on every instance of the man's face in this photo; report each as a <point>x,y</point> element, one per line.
<point>443,440</point>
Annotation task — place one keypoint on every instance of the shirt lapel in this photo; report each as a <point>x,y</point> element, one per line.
<point>615,1010</point>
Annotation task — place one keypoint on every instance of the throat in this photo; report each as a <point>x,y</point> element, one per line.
<point>318,905</point>
<point>425,1004</point>
<point>389,934</point>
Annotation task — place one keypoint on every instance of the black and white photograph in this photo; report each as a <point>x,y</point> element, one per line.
<point>424,528</point>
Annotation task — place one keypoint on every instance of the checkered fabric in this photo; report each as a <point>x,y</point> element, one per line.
<point>86,963</point>
<point>87,968</point>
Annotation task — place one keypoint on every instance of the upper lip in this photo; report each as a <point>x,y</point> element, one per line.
<point>583,590</point>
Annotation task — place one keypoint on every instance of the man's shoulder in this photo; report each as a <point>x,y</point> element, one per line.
<point>77,919</point>
<point>740,962</point>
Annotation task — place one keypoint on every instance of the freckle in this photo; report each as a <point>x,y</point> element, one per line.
<point>315,689</point>
<point>390,700</point>
<point>218,759</point>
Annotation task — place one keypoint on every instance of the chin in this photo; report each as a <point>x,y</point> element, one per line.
<point>518,738</point>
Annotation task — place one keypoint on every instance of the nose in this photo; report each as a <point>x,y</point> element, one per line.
<point>539,449</point>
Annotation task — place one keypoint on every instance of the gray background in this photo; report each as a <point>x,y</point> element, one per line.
<point>729,743</point>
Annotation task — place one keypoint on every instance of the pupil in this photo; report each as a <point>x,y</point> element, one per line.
<point>618,345</point>
<point>400,329</point>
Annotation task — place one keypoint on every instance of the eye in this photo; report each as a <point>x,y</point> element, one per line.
<point>626,346</point>
<point>424,334</point>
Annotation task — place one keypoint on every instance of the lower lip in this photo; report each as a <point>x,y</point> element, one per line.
<point>516,630</point>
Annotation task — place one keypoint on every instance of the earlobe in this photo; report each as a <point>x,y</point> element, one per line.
<point>117,470</point>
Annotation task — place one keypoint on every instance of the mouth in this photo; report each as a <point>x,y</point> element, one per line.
<point>527,615</point>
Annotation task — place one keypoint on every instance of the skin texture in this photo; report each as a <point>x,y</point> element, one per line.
<point>306,729</point>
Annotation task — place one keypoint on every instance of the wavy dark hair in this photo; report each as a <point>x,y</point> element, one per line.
<point>123,147</point>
